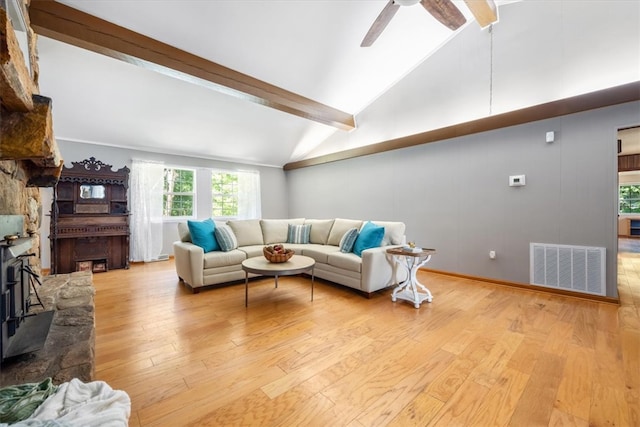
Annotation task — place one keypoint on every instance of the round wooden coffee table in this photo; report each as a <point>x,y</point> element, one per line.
<point>259,265</point>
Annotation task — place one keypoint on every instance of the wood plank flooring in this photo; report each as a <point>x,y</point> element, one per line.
<point>479,355</point>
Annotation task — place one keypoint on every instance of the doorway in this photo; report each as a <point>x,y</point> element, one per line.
<point>629,216</point>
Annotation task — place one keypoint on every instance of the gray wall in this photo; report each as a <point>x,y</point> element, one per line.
<point>454,196</point>
<point>273,184</point>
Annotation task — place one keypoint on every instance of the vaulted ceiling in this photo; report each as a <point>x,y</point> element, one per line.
<point>295,72</point>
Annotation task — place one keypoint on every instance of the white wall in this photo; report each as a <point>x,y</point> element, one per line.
<point>454,196</point>
<point>575,47</point>
<point>273,184</point>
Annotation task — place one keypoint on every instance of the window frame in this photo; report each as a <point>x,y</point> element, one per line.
<point>248,193</point>
<point>627,184</point>
<point>215,172</point>
<point>193,194</point>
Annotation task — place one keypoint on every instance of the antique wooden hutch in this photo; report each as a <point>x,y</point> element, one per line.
<point>90,218</point>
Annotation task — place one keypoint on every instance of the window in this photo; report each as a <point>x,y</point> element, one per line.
<point>235,194</point>
<point>224,191</point>
<point>179,193</point>
<point>629,198</point>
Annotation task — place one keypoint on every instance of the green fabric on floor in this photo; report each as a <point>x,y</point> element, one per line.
<point>17,402</point>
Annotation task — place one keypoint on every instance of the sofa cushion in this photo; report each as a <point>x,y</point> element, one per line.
<point>347,241</point>
<point>393,232</point>
<point>298,233</point>
<point>226,238</point>
<point>247,231</point>
<point>350,262</point>
<point>275,230</point>
<point>223,259</point>
<point>318,252</point>
<point>252,251</point>
<point>341,226</point>
<point>183,232</point>
<point>370,236</point>
<point>202,234</point>
<point>320,229</point>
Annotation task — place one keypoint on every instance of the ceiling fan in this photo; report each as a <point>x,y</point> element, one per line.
<point>444,11</point>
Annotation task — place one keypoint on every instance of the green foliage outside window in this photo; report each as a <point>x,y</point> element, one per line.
<point>630,198</point>
<point>224,189</point>
<point>178,192</point>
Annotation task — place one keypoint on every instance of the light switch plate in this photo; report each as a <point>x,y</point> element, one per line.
<point>551,136</point>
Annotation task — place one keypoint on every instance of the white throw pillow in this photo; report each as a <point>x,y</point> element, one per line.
<point>341,226</point>
<point>320,229</point>
<point>247,231</point>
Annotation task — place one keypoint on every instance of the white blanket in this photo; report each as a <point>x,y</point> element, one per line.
<point>82,404</point>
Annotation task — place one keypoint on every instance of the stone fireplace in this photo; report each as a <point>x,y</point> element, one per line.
<point>29,160</point>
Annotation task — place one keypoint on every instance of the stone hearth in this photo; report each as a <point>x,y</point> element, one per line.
<point>69,351</point>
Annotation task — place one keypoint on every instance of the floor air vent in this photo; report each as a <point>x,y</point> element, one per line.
<point>574,268</point>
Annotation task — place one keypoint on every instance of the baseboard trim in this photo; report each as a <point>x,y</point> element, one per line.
<point>528,287</point>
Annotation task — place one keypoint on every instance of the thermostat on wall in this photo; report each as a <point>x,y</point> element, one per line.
<point>516,180</point>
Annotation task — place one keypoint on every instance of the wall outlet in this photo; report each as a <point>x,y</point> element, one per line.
<point>492,254</point>
<point>517,180</point>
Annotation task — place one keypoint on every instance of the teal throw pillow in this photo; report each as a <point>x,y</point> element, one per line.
<point>226,238</point>
<point>202,234</point>
<point>348,240</point>
<point>370,236</point>
<point>298,233</point>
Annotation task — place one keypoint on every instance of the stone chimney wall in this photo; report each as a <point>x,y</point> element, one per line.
<point>16,198</point>
<point>29,156</point>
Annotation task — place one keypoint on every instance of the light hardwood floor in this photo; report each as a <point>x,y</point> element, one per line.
<point>479,355</point>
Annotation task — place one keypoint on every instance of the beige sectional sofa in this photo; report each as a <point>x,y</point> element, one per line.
<point>373,271</point>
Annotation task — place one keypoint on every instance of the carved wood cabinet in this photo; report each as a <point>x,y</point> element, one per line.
<point>90,218</point>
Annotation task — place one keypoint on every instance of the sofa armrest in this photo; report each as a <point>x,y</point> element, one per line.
<point>379,270</point>
<point>189,260</point>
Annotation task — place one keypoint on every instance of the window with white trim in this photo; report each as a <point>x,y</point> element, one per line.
<point>629,196</point>
<point>235,194</point>
<point>179,193</point>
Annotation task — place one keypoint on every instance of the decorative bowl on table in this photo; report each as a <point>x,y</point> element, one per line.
<point>277,253</point>
<point>411,247</point>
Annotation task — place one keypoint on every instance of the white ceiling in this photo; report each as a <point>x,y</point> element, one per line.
<point>310,47</point>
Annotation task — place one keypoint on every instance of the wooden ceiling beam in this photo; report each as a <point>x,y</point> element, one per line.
<point>629,92</point>
<point>63,23</point>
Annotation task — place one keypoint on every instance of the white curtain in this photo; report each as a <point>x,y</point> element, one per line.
<point>147,180</point>
<point>249,206</point>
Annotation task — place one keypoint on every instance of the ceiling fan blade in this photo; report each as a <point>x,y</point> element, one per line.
<point>485,11</point>
<point>445,12</point>
<point>380,23</point>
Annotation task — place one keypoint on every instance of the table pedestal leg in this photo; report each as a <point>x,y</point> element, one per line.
<point>312,281</point>
<point>408,290</point>
<point>246,289</point>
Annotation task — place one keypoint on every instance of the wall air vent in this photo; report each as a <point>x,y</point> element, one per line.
<point>573,268</point>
